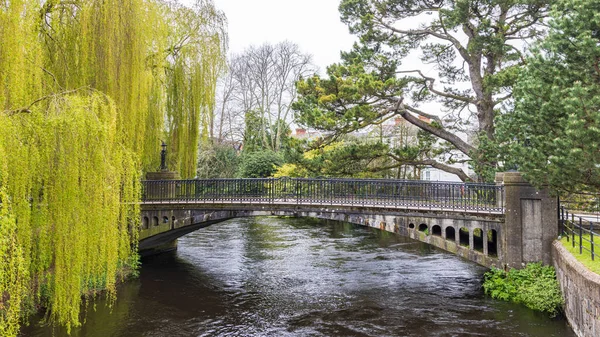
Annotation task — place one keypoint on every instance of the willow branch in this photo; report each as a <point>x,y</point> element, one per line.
<point>27,109</point>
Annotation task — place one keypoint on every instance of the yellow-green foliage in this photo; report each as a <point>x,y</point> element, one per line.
<point>68,191</point>
<point>290,170</point>
<point>86,93</point>
<point>191,83</point>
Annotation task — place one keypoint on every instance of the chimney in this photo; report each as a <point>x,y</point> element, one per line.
<point>425,119</point>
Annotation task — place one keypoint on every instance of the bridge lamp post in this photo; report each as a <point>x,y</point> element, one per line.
<point>163,157</point>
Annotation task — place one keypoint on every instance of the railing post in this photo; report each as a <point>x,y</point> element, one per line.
<point>592,239</point>
<point>566,224</point>
<point>561,220</point>
<point>573,228</point>
<point>499,180</point>
<point>331,186</point>
<point>298,192</point>
<point>271,190</point>
<point>580,236</point>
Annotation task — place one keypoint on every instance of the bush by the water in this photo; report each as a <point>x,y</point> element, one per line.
<point>535,286</point>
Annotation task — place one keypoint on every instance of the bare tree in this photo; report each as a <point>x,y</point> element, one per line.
<point>261,81</point>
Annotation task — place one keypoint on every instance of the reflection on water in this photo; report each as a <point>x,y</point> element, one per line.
<point>302,277</point>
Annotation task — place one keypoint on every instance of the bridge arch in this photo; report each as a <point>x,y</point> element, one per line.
<point>492,242</point>
<point>432,225</point>
<point>478,239</point>
<point>464,237</point>
<point>450,233</point>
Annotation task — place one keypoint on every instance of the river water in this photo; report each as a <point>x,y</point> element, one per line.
<point>302,277</point>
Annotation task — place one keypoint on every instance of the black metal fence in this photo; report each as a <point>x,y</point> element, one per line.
<point>353,192</point>
<point>582,232</point>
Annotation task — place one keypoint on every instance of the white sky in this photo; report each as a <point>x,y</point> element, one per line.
<point>312,24</point>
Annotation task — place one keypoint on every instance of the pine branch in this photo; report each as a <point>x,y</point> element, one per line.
<point>429,81</point>
<point>460,144</point>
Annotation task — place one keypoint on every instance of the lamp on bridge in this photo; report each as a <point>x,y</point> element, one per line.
<point>163,157</point>
<point>163,173</point>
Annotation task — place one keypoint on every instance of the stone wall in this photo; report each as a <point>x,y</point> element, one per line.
<point>581,291</point>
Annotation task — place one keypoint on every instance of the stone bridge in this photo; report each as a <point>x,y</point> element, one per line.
<point>504,224</point>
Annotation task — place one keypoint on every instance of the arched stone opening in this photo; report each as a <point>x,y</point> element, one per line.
<point>165,219</point>
<point>450,233</point>
<point>155,221</point>
<point>145,222</point>
<point>436,230</point>
<point>478,239</point>
<point>492,242</point>
<point>173,223</point>
<point>411,226</point>
<point>423,228</point>
<point>463,237</point>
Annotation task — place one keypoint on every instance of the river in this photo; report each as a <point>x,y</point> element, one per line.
<point>303,277</point>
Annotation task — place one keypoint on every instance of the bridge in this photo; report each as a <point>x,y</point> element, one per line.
<point>504,224</point>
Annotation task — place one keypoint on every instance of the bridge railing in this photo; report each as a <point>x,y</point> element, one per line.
<point>580,231</point>
<point>350,192</point>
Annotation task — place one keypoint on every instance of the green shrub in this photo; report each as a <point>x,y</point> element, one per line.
<point>217,161</point>
<point>260,164</point>
<point>535,286</point>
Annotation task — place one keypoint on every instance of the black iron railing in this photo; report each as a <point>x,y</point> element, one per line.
<point>582,232</point>
<point>353,192</point>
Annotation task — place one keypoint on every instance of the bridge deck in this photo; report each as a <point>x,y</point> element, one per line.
<point>361,204</point>
<point>389,194</point>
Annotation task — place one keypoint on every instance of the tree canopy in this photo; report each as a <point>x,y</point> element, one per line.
<point>553,134</point>
<point>474,48</point>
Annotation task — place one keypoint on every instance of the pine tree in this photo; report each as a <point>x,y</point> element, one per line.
<point>553,135</point>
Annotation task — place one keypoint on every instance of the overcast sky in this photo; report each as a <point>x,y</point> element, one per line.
<point>312,24</point>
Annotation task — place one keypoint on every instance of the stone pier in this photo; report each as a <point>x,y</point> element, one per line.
<point>531,222</point>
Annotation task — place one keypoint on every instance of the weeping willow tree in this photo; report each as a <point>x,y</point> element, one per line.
<point>87,90</point>
<point>191,81</point>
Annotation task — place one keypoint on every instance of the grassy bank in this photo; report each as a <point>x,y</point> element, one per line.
<point>586,257</point>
